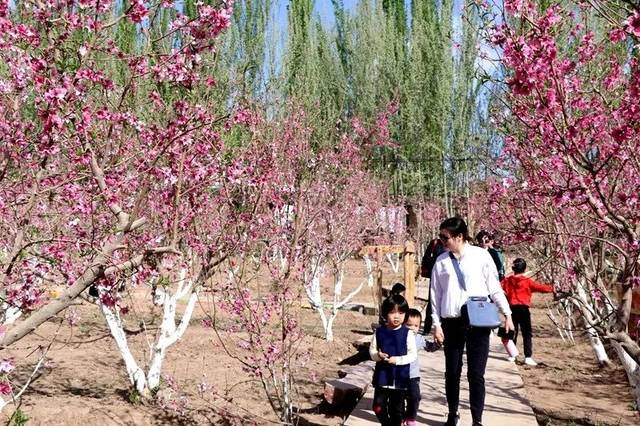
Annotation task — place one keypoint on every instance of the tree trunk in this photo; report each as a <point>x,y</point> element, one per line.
<point>136,374</point>
<point>329,328</point>
<point>632,369</point>
<point>598,348</point>
<point>169,334</point>
<point>52,308</point>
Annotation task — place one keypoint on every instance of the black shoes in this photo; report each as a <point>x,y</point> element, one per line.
<point>453,419</point>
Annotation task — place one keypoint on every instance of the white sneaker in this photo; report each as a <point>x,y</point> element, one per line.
<point>530,361</point>
<point>511,359</point>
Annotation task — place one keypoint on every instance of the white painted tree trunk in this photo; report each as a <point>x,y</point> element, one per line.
<point>632,369</point>
<point>568,326</point>
<point>314,292</point>
<point>589,316</point>
<point>136,375</point>
<point>328,332</point>
<point>561,332</point>
<point>167,336</point>
<point>394,261</point>
<point>11,314</point>
<point>598,348</point>
<point>337,303</point>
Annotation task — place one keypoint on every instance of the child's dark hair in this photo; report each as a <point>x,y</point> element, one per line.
<point>395,300</point>
<point>398,288</point>
<point>413,313</point>
<point>456,226</point>
<point>519,265</point>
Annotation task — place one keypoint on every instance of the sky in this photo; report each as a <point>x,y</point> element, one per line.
<point>322,8</point>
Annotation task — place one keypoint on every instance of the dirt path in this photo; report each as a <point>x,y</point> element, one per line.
<point>505,401</point>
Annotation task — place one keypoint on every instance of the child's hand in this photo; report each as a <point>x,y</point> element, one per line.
<point>392,360</point>
<point>383,356</point>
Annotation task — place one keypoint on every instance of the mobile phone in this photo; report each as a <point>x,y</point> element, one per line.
<point>502,332</point>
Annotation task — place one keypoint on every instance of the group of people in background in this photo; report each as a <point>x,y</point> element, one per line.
<point>458,272</point>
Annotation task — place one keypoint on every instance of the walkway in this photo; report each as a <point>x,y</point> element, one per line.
<point>505,402</point>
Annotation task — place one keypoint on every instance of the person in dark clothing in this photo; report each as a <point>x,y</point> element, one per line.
<point>398,288</point>
<point>518,288</point>
<point>393,348</point>
<point>434,249</point>
<point>486,241</point>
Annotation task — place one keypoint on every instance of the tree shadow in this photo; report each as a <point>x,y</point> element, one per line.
<point>328,411</point>
<point>356,358</point>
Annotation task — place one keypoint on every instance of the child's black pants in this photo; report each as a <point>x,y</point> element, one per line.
<point>521,317</point>
<point>388,404</point>
<point>413,399</point>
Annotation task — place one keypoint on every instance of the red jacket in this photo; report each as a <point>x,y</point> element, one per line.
<point>518,289</point>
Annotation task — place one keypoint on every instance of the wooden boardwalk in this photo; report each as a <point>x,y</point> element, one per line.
<point>505,404</point>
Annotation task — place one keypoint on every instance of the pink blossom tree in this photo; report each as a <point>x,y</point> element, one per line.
<point>347,200</point>
<point>112,151</point>
<point>572,137</point>
<point>105,155</point>
<point>301,195</point>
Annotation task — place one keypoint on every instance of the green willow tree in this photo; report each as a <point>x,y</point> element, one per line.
<point>420,54</point>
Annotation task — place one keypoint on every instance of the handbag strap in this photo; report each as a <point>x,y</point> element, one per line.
<point>456,267</point>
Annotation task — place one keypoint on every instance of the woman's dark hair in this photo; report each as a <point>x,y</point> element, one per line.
<point>398,288</point>
<point>391,302</point>
<point>519,265</point>
<point>413,313</point>
<point>456,226</point>
<point>480,236</point>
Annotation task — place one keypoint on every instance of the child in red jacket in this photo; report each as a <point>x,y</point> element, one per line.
<point>518,289</point>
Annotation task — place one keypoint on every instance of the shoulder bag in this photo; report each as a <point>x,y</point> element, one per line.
<point>482,311</point>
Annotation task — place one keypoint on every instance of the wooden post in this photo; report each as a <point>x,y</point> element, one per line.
<point>410,271</point>
<point>379,252</point>
<point>378,289</point>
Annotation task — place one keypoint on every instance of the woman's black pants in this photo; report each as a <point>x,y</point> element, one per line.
<point>457,334</point>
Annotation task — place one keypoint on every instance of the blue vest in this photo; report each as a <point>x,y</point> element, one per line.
<point>393,343</point>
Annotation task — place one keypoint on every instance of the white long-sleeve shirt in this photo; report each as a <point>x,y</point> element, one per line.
<point>412,351</point>
<point>480,277</point>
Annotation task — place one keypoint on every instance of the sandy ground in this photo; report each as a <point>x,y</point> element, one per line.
<point>84,382</point>
<point>568,385</point>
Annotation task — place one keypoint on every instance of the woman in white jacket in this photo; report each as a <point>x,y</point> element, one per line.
<point>451,321</point>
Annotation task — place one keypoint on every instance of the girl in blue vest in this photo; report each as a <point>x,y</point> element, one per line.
<point>393,348</point>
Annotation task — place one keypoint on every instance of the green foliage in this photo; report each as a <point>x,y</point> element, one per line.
<point>373,57</point>
<point>134,397</point>
<point>18,418</point>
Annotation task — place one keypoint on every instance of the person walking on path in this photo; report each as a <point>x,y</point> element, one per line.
<point>518,288</point>
<point>393,348</point>
<point>487,241</point>
<point>451,320</point>
<point>412,322</point>
<point>434,249</point>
